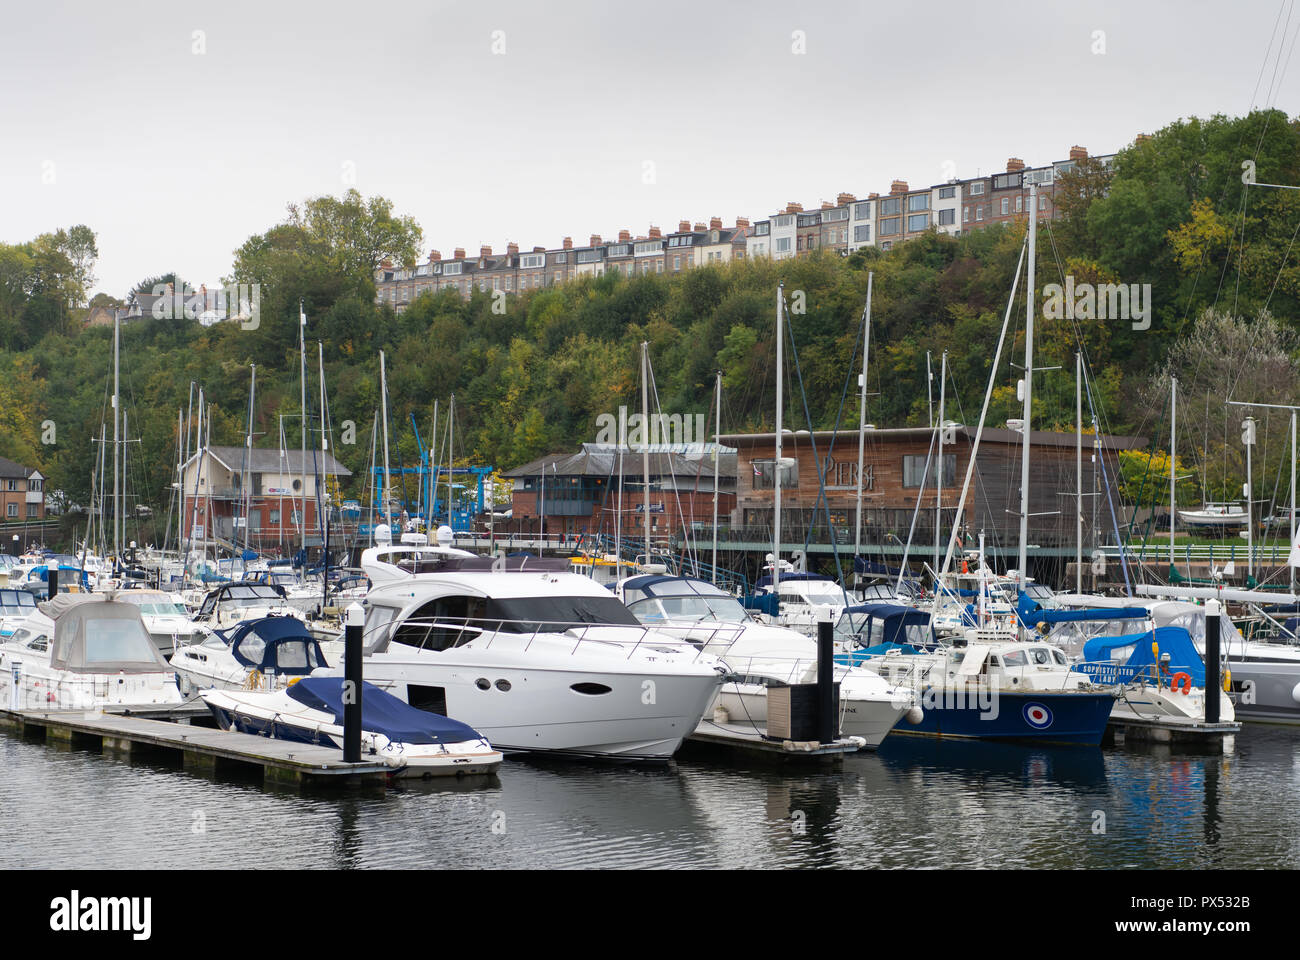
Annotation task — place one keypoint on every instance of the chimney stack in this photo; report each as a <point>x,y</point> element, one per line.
<point>845,198</point>
<point>699,228</point>
<point>683,226</point>
<point>485,251</point>
<point>539,249</point>
<point>715,223</point>
<point>742,223</point>
<point>595,240</point>
<point>655,234</point>
<point>568,243</point>
<point>460,253</point>
<point>624,236</point>
<point>898,186</point>
<point>512,249</point>
<point>1015,165</point>
<point>1079,153</point>
<point>873,196</point>
<point>827,205</point>
<point>1142,138</point>
<point>434,256</point>
<point>793,207</point>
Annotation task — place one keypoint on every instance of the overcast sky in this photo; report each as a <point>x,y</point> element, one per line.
<point>175,146</point>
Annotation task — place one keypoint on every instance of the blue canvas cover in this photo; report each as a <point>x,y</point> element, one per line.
<point>381,712</point>
<point>263,643</point>
<point>1175,641</point>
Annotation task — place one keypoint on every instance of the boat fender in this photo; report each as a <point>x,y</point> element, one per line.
<point>915,715</point>
<point>1295,693</point>
<point>1181,679</point>
<point>1227,681</point>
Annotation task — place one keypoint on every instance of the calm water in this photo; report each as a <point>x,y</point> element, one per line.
<point>915,804</point>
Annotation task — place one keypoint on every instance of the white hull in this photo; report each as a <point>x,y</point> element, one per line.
<point>872,720</point>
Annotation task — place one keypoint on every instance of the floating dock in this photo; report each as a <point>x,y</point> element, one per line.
<point>746,739</point>
<point>202,749</point>
<point>1212,737</point>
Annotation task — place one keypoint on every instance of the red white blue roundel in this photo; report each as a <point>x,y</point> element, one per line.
<point>1038,716</point>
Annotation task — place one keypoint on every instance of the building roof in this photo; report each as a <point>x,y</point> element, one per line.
<point>1048,438</point>
<point>604,462</point>
<point>262,460</point>
<point>9,468</point>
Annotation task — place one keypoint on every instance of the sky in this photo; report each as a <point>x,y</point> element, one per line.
<point>178,130</point>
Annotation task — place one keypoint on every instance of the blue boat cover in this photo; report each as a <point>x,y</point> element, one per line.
<point>281,645</point>
<point>1175,641</point>
<point>381,712</point>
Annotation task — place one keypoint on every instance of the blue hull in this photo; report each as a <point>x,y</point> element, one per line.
<point>1037,716</point>
<point>240,723</point>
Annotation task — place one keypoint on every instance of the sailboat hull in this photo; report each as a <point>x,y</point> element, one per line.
<point>1036,716</point>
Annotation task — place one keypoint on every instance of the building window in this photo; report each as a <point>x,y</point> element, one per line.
<point>979,211</point>
<point>887,245</point>
<point>1019,201</point>
<point>1006,204</point>
<point>677,263</point>
<point>919,202</point>
<point>947,193</point>
<point>531,260</point>
<point>914,470</point>
<point>13,509</point>
<point>891,207</point>
<point>917,222</point>
<point>889,227</point>
<point>1042,203</point>
<point>977,188</point>
<point>782,244</point>
<point>947,217</point>
<point>31,511</point>
<point>862,233</point>
<point>12,485</point>
<point>862,211</point>
<point>762,472</point>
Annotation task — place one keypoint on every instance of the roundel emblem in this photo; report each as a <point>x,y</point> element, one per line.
<point>1038,716</point>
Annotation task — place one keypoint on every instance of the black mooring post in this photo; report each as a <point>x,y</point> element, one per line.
<point>52,574</point>
<point>352,684</point>
<point>1212,661</point>
<point>825,682</point>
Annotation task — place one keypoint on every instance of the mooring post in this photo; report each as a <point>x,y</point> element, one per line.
<point>1212,613</point>
<point>352,683</point>
<point>825,682</point>
<point>52,580</point>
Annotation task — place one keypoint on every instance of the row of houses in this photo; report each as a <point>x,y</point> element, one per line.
<point>848,224</point>
<point>22,492</point>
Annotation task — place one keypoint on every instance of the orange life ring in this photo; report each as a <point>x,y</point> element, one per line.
<point>1183,679</point>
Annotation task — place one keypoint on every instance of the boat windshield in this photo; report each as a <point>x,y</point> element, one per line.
<point>16,603</point>
<point>118,641</point>
<point>688,607</point>
<point>244,591</point>
<point>154,606</point>
<point>820,592</point>
<point>553,614</point>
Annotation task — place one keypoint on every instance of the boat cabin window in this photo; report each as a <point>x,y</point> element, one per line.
<point>441,623</point>
<point>374,634</point>
<point>1059,657</point>
<point>296,655</point>
<point>114,640</point>
<point>1039,655</point>
<point>1014,658</point>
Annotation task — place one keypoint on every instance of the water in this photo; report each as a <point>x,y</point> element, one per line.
<point>917,803</point>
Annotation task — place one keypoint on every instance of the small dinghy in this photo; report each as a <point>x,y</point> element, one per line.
<point>416,743</point>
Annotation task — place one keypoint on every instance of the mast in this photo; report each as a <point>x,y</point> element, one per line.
<point>1250,499</point>
<point>433,468</point>
<point>117,404</point>
<point>717,444</point>
<point>862,418</point>
<point>383,406</point>
<point>451,456</point>
<point>938,481</point>
<point>1173,441</point>
<point>645,447</point>
<point>1030,302</point>
<point>324,440</point>
<point>302,380</point>
<point>1289,567</point>
<point>776,467</point>
<point>248,449</point>
<point>181,451</point>
<point>1078,471</point>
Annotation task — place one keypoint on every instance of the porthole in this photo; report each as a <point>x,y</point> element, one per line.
<point>503,686</point>
<point>483,683</point>
<point>590,689</point>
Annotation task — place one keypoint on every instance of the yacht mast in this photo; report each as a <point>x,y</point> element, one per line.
<point>302,465</point>
<point>433,469</point>
<point>324,446</point>
<point>1173,441</point>
<point>1030,303</point>
<point>717,444</point>
<point>117,405</point>
<point>862,418</point>
<point>1078,471</point>
<point>776,466</point>
<point>938,480</point>
<point>645,448</point>
<point>248,451</point>
<point>383,406</point>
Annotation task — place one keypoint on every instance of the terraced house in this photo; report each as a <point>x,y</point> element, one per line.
<point>953,207</point>
<point>22,492</point>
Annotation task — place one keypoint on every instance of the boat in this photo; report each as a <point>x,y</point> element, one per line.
<point>387,562</point>
<point>166,619</point>
<point>760,656</point>
<point>986,684</point>
<point>84,651</point>
<point>415,743</point>
<point>230,603</point>
<point>1214,516</point>
<point>266,653</point>
<point>535,658</point>
<point>15,607</point>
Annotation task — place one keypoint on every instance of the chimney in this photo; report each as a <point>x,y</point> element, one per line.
<point>1142,138</point>
<point>715,223</point>
<point>595,240</point>
<point>742,223</point>
<point>568,243</point>
<point>827,205</point>
<point>539,249</point>
<point>624,236</point>
<point>873,196</point>
<point>699,228</point>
<point>1015,165</point>
<point>793,207</point>
<point>385,263</point>
<point>1080,153</point>
<point>655,234</point>
<point>512,249</point>
<point>683,226</point>
<point>898,186</point>
<point>845,198</point>
<point>434,256</point>
<point>485,251</point>
<point>460,253</point>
